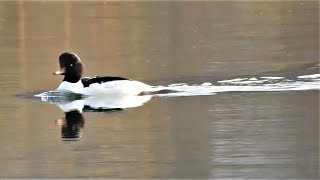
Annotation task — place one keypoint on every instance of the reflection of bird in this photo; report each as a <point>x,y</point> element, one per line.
<point>73,122</point>
<point>72,69</point>
<point>96,103</point>
<point>71,125</point>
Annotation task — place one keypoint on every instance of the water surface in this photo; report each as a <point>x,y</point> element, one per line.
<point>242,132</point>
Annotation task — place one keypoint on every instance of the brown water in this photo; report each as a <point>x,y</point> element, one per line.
<point>241,135</point>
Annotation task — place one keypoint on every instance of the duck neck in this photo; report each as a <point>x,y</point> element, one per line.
<point>72,78</point>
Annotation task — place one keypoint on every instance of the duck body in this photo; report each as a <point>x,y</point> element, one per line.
<point>114,86</point>
<point>71,67</point>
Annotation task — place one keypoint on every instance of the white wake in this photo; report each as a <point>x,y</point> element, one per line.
<point>252,84</point>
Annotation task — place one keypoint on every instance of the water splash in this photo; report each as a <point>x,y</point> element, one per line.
<point>248,84</point>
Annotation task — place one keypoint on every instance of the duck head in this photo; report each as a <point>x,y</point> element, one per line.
<point>70,66</point>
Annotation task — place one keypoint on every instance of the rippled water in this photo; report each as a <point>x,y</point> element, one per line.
<point>241,79</point>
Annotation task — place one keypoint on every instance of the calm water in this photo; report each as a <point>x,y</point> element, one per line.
<point>239,129</point>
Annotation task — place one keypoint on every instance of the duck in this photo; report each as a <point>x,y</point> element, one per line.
<point>72,69</point>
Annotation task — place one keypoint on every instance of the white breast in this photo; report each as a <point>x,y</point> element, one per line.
<point>73,87</point>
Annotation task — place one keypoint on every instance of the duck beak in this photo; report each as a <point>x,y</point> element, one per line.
<point>60,72</point>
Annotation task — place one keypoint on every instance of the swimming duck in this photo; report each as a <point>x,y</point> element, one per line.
<point>72,69</point>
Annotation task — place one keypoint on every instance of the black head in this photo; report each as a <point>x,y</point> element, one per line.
<point>70,66</point>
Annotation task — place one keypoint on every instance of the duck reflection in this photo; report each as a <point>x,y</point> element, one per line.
<point>73,121</point>
<point>71,125</point>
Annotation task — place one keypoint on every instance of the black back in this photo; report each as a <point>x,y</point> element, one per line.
<point>87,81</point>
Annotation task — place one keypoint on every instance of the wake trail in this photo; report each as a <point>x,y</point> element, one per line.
<point>248,84</point>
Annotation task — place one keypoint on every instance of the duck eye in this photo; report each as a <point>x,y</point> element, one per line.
<point>71,64</point>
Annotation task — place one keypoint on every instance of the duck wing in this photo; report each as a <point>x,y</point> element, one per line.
<point>86,81</point>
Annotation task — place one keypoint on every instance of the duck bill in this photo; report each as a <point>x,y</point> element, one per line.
<point>60,72</point>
